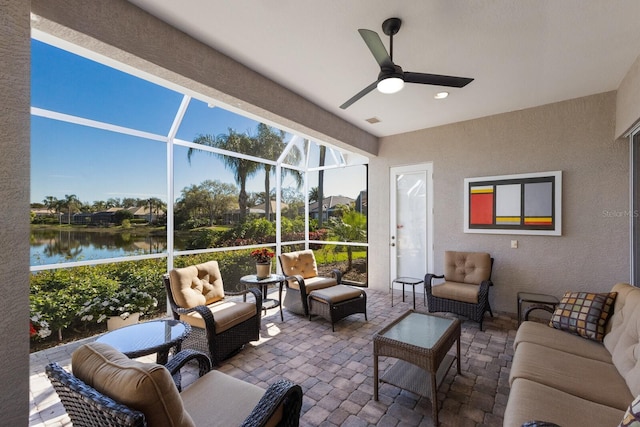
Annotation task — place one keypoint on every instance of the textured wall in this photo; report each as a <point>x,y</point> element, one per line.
<point>627,105</point>
<point>14,230</point>
<point>576,137</point>
<point>121,31</point>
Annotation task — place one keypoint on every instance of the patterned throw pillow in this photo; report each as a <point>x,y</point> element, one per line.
<point>632,416</point>
<point>583,313</point>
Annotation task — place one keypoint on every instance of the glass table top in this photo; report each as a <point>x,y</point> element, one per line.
<point>146,335</point>
<point>418,329</point>
<point>252,279</point>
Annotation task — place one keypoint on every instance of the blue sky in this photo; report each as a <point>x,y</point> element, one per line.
<point>95,164</point>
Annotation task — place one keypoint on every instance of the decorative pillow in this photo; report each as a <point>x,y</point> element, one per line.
<point>632,416</point>
<point>584,313</point>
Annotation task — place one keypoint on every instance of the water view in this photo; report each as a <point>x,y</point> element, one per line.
<point>49,246</point>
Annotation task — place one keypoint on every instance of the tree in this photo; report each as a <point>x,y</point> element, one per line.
<point>270,145</point>
<point>313,194</point>
<point>210,200</point>
<point>351,226</point>
<point>72,203</point>
<point>241,168</point>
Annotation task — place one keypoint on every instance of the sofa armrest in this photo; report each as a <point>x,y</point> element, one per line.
<point>178,361</point>
<point>298,278</point>
<point>282,392</point>
<point>428,281</point>
<point>338,275</point>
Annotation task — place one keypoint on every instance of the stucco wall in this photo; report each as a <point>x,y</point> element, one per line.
<point>576,137</point>
<point>14,230</point>
<point>627,105</point>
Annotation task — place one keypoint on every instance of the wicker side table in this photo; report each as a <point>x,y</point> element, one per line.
<point>421,341</point>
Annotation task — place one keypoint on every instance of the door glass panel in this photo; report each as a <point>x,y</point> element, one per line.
<point>411,224</point>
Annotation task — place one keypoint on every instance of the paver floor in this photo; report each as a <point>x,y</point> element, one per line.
<point>335,370</point>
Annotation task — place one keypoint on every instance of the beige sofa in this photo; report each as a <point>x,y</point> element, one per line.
<point>569,380</point>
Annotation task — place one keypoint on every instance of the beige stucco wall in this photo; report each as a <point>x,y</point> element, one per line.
<point>627,104</point>
<point>14,230</point>
<point>576,137</point>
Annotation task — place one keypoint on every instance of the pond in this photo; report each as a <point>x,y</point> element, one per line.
<point>52,246</point>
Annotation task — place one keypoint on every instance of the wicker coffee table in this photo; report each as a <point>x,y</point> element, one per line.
<point>421,341</point>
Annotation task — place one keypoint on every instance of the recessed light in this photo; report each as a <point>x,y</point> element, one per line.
<point>441,95</point>
<point>373,120</point>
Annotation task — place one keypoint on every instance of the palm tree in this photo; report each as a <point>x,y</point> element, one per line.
<point>351,226</point>
<point>241,168</point>
<point>71,202</point>
<point>313,194</point>
<point>270,145</point>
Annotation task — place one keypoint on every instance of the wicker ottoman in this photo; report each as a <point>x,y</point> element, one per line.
<point>337,302</point>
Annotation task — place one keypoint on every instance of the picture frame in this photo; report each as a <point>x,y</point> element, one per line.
<point>529,204</point>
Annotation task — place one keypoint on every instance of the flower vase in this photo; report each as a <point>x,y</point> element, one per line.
<point>263,270</point>
<point>116,322</point>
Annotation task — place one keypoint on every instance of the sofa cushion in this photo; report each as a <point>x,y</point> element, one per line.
<point>464,292</point>
<point>301,263</point>
<point>583,313</point>
<point>217,399</point>
<point>588,379</point>
<point>632,416</point>
<point>146,387</point>
<point>226,315</point>
<point>195,285</point>
<point>529,400</point>
<point>467,267</point>
<point>542,334</point>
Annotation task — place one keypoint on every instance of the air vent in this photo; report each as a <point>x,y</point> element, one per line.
<point>373,120</point>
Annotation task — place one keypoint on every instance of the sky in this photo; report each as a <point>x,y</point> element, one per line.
<point>97,164</point>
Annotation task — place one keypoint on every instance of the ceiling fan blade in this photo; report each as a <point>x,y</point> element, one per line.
<point>436,79</point>
<point>359,95</point>
<point>372,39</point>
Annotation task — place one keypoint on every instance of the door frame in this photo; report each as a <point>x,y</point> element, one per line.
<point>394,171</point>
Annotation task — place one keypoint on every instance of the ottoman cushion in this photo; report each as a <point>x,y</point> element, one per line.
<point>336,294</point>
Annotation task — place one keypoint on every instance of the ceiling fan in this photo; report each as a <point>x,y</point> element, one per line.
<point>391,78</point>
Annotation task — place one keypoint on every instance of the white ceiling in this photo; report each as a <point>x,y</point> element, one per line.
<point>521,53</point>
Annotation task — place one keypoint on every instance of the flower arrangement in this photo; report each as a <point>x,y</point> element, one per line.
<point>38,327</point>
<point>262,255</point>
<point>123,303</point>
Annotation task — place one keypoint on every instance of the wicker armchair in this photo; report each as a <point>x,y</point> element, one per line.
<point>301,271</point>
<point>108,389</point>
<point>219,327</point>
<point>465,291</point>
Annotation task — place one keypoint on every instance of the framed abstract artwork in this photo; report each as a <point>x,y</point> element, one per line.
<point>528,203</point>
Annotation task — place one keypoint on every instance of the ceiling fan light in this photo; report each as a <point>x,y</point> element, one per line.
<point>390,85</point>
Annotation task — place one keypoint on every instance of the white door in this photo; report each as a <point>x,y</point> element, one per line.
<point>411,221</point>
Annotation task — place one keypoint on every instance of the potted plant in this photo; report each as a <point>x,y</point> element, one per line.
<point>263,262</point>
<point>119,309</point>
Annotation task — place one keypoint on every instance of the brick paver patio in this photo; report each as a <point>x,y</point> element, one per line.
<point>335,371</point>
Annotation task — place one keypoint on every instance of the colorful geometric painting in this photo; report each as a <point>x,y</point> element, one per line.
<point>516,204</point>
